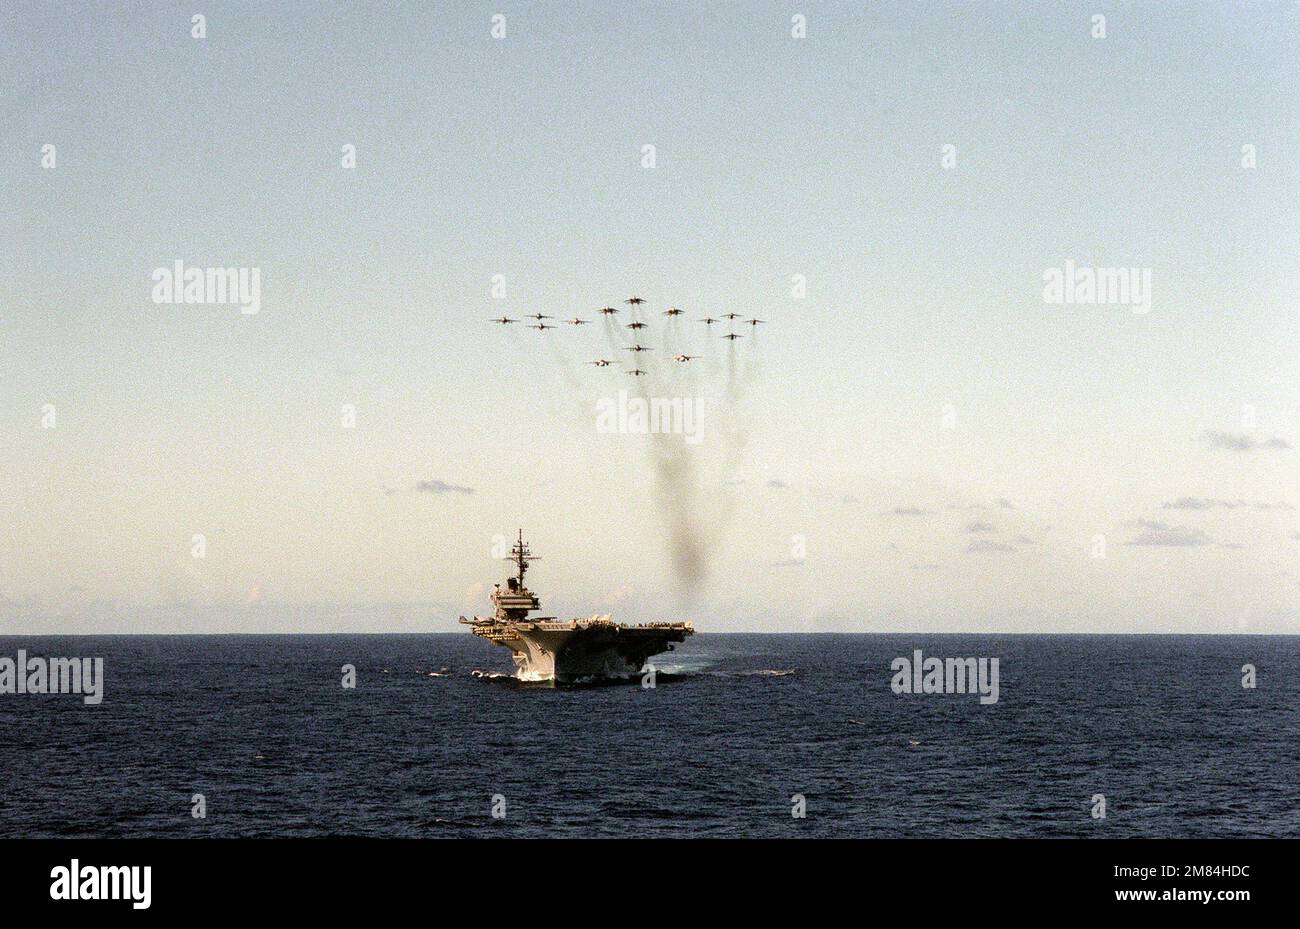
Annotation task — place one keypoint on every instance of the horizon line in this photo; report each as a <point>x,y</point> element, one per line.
<point>68,635</point>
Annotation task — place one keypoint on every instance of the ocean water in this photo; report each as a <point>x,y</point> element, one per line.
<point>734,728</point>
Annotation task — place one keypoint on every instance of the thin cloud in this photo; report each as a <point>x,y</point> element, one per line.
<point>988,545</point>
<point>1209,503</point>
<point>1240,442</point>
<point>441,487</point>
<point>1200,503</point>
<point>1160,534</point>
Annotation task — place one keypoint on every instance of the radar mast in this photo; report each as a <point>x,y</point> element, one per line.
<point>522,556</point>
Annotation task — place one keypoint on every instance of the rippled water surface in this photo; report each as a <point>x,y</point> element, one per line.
<point>736,726</point>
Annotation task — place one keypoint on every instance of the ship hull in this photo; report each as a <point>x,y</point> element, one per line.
<point>578,655</point>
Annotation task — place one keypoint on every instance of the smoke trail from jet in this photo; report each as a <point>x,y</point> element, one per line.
<point>679,490</point>
<point>733,429</point>
<point>565,364</point>
<point>568,404</point>
<point>611,334</point>
<point>752,359</point>
<point>687,479</point>
<point>618,351</point>
<point>733,364</point>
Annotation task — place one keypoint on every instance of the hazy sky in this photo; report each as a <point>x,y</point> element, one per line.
<point>946,445</point>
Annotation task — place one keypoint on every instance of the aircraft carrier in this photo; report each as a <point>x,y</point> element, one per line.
<point>567,651</point>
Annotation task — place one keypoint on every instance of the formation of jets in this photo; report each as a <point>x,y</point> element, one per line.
<point>636,325</point>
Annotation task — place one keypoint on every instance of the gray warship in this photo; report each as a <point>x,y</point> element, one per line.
<point>567,651</point>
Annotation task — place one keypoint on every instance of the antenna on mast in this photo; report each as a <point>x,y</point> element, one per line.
<point>522,556</point>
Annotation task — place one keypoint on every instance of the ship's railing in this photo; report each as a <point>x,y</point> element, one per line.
<point>552,623</point>
<point>604,621</point>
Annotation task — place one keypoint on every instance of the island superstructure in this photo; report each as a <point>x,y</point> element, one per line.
<point>567,651</point>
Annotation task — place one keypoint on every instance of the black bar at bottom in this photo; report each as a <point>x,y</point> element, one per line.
<point>603,879</point>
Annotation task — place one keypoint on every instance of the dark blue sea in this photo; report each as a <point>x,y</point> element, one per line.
<point>734,728</point>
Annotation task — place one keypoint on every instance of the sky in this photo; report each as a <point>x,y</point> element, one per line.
<point>914,440</point>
